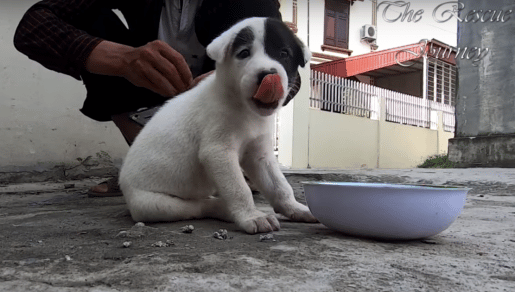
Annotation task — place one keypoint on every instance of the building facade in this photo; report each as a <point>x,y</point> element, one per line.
<point>485,135</point>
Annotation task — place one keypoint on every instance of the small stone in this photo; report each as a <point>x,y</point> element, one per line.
<point>220,234</point>
<point>138,231</point>
<point>481,196</point>
<point>267,237</point>
<point>163,244</point>
<point>122,234</point>
<point>68,258</point>
<point>69,186</point>
<point>159,244</point>
<point>187,229</point>
<point>139,224</point>
<point>127,244</point>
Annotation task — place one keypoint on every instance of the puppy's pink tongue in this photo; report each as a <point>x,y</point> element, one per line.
<point>270,90</point>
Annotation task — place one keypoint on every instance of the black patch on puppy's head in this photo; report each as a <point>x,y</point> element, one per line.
<point>282,45</point>
<point>216,16</point>
<point>244,38</point>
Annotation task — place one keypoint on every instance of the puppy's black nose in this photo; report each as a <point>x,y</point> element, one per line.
<point>262,74</point>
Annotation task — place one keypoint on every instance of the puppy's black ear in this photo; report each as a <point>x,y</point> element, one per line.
<point>295,87</point>
<point>305,56</point>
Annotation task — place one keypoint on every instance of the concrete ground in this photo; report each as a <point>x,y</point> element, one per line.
<point>54,238</point>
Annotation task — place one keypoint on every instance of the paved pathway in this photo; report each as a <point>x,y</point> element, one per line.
<point>54,238</point>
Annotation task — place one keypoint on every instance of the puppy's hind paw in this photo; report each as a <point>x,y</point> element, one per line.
<point>298,213</point>
<point>259,223</point>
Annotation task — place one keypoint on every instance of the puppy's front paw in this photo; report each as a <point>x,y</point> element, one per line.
<point>297,212</point>
<point>259,222</point>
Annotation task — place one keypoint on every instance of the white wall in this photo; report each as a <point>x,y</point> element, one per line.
<point>40,120</point>
<point>400,33</point>
<point>350,142</point>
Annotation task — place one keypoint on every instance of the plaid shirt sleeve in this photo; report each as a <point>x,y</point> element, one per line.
<point>45,34</point>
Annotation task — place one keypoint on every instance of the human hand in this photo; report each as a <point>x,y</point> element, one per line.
<point>158,67</point>
<point>200,78</point>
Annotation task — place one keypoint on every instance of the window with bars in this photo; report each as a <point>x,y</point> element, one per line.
<point>441,81</point>
<point>336,23</point>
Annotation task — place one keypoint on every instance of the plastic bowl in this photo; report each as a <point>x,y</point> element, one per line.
<point>385,211</point>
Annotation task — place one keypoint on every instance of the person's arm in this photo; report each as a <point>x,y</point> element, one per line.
<point>155,66</point>
<point>46,34</point>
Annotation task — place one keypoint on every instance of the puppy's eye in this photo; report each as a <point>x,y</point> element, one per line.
<point>284,54</point>
<point>243,54</point>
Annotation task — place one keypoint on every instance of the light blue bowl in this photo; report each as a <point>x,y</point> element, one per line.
<point>385,211</point>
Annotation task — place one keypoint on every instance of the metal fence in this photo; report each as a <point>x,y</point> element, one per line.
<point>340,95</point>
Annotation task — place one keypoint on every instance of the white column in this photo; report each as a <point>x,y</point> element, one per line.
<point>424,78</point>
<point>286,114</point>
<point>300,143</point>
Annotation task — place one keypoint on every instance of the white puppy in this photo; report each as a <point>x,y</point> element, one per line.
<point>186,162</point>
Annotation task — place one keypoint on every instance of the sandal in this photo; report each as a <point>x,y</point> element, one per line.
<point>108,188</point>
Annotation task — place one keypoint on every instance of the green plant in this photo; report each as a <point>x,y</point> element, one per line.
<point>437,161</point>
